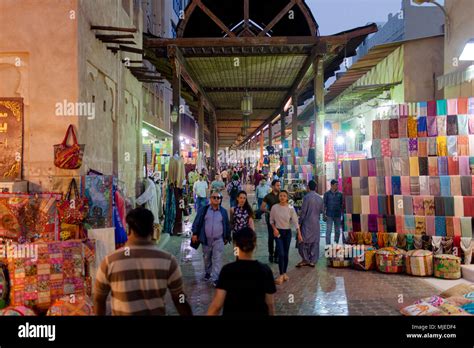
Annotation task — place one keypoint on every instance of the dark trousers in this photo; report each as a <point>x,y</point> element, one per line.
<point>272,247</point>
<point>259,204</point>
<point>283,248</point>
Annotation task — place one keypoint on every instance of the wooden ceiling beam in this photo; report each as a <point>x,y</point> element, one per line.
<point>244,89</point>
<point>277,18</point>
<point>215,19</point>
<point>108,28</point>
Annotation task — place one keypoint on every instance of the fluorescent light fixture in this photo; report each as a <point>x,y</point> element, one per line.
<point>181,138</point>
<point>145,132</point>
<point>468,51</point>
<point>340,140</point>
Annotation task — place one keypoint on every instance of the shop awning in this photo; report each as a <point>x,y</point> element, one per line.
<point>456,78</point>
<point>157,132</point>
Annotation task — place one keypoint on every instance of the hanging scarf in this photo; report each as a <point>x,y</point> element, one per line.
<point>392,239</point>
<point>427,244</point>
<point>367,238</point>
<point>402,241</point>
<point>380,240</point>
<point>409,241</point>
<point>466,247</point>
<point>447,244</point>
<point>436,243</point>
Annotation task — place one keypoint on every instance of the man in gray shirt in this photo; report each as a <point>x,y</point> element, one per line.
<point>333,210</point>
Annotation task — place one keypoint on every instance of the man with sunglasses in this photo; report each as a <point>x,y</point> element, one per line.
<point>211,228</point>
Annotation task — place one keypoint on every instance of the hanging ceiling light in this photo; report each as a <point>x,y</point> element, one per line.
<point>246,104</point>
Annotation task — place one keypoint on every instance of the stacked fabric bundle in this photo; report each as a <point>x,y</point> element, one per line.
<point>296,162</point>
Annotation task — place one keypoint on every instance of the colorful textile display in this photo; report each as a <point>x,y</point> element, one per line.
<point>390,260</point>
<point>17,311</point>
<point>98,189</point>
<point>447,266</point>
<point>80,306</point>
<point>366,261</point>
<point>419,263</point>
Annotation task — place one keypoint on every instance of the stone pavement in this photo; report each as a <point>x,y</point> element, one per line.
<point>310,291</point>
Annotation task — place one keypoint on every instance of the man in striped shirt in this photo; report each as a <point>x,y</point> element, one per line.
<point>138,275</point>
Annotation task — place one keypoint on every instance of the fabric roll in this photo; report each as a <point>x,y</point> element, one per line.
<point>385,129</point>
<point>420,226</point>
<point>387,161</point>
<point>371,166</point>
<point>440,226</point>
<point>418,206</point>
<point>413,147</point>
<point>382,205</point>
<point>372,186</point>
<point>415,185</point>
<point>364,185</point>
<point>443,165</point>
<point>452,106</point>
<point>432,146</point>
<point>432,126</point>
<point>463,145</point>
<point>445,185</point>
<point>468,206</point>
<point>451,125</point>
<point>396,185</point>
<point>423,165</point>
<point>397,166</point>
<point>380,165</point>
<point>432,166</point>
<point>374,205</point>
<point>363,168</point>
<point>365,205</point>
<point>403,127</point>
<point>430,225</point>
<point>429,205</point>
<point>456,185</point>
<point>395,147</point>
<point>442,145</point>
<point>398,204</point>
<point>463,127</point>
<point>376,148</point>
<point>372,223</point>
<point>466,226</point>
<point>391,225</point>
<point>449,226</point>
<point>439,206</point>
<point>435,187</point>
<point>405,180</point>
<point>400,224</point>
<point>422,127</point>
<point>346,168</point>
<point>405,165</point>
<point>388,185</point>
<point>441,125</point>
<point>356,205</point>
<point>422,109</point>
<point>408,205</point>
<point>431,108</point>
<point>404,152</point>
<point>347,186</point>
<point>412,127</point>
<point>466,185</point>
<point>410,226</point>
<point>441,107</point>
<point>393,128</point>
<point>458,206</point>
<point>364,223</point>
<point>381,185</point>
<point>452,145</point>
<point>425,186</point>
<point>349,204</point>
<point>414,166</point>
<point>457,226</point>
<point>355,169</point>
<point>462,105</point>
<point>448,206</point>
<point>385,144</point>
<point>423,147</point>
<point>401,241</point>
<point>471,123</point>
<point>376,129</point>
<point>355,186</point>
<point>453,166</point>
<point>471,145</point>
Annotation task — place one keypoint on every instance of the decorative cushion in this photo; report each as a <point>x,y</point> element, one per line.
<point>422,308</point>
<point>468,307</point>
<point>390,260</point>
<point>458,290</point>
<point>17,311</point>
<point>435,301</point>
<point>447,266</point>
<point>74,305</point>
<point>450,309</point>
<point>366,261</point>
<point>459,300</point>
<point>419,262</point>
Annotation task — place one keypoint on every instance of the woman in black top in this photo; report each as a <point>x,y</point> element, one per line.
<point>245,286</point>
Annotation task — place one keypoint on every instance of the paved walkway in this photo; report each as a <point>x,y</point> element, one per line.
<point>310,291</point>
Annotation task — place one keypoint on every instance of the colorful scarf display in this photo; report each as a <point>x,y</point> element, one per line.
<point>422,127</point>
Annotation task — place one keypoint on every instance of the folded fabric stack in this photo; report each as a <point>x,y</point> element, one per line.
<point>295,160</point>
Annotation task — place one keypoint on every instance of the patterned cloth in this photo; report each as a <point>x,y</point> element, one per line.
<point>432,147</point>
<point>412,126</point>
<point>443,165</point>
<point>422,127</point>
<point>463,128</point>
<point>463,145</point>
<point>452,145</point>
<point>390,260</point>
<point>447,266</point>
<point>442,145</point>
<point>441,125</point>
<point>452,125</point>
<point>432,126</point>
<point>413,146</point>
<point>393,128</point>
<point>423,147</point>
<point>424,185</point>
<point>435,187</point>
<point>403,127</point>
<point>419,263</point>
<point>240,219</point>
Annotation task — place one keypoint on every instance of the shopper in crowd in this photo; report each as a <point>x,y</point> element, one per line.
<point>269,201</point>
<point>282,216</point>
<point>311,210</point>
<point>218,185</point>
<point>261,191</point>
<point>333,210</point>
<point>211,228</point>
<point>233,189</point>
<point>242,215</point>
<point>224,176</point>
<point>121,271</point>
<point>246,286</point>
<point>244,174</point>
<point>275,176</point>
<point>257,178</point>
<point>200,191</point>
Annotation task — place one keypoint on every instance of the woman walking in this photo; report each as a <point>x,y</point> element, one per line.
<point>282,216</point>
<point>242,215</point>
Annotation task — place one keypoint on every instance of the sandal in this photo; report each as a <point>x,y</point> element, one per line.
<point>279,280</point>
<point>285,277</point>
<point>301,264</point>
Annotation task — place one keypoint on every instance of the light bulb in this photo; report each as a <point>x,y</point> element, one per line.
<point>340,140</point>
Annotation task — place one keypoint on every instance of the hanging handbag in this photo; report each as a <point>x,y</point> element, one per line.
<point>68,156</point>
<point>73,211</point>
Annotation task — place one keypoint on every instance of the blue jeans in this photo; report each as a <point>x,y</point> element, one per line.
<point>213,253</point>
<point>200,202</point>
<point>283,249</point>
<point>337,229</point>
